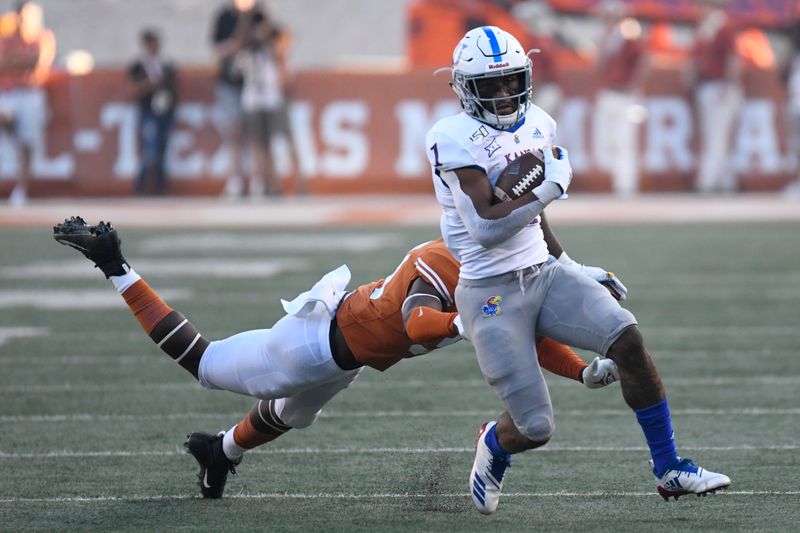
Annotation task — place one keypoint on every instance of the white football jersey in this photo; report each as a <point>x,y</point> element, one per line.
<point>461,141</point>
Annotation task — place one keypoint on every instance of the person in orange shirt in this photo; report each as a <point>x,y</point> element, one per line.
<point>27,50</point>
<point>326,339</point>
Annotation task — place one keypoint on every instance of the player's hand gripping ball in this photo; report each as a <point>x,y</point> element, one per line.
<point>520,177</point>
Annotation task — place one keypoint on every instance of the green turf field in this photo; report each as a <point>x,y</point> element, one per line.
<point>93,415</point>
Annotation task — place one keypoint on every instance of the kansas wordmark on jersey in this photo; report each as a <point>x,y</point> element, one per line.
<point>461,141</point>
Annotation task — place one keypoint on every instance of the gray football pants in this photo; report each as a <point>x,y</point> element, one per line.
<point>502,316</point>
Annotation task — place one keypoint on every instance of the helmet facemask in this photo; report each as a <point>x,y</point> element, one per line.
<point>498,98</point>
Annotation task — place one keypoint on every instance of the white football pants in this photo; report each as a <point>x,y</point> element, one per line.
<point>292,360</point>
<point>718,104</point>
<point>615,140</point>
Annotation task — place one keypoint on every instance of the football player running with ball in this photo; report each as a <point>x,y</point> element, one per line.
<point>326,338</point>
<point>511,288</point>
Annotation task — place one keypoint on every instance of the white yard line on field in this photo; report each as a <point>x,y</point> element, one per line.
<point>36,359</point>
<point>181,268</point>
<point>372,496</point>
<point>237,243</point>
<point>83,299</point>
<point>663,332</point>
<point>378,385</point>
<point>90,417</point>
<point>687,332</point>
<point>61,454</point>
<point>11,332</point>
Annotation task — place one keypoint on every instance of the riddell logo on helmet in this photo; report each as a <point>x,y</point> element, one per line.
<point>504,64</point>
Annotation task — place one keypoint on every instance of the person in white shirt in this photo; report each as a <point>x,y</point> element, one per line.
<point>511,286</point>
<point>262,63</point>
<point>792,78</point>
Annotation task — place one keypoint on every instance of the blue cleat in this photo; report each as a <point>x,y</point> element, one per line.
<point>684,477</point>
<point>488,470</point>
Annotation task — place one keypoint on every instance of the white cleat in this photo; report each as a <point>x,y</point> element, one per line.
<point>684,477</point>
<point>486,478</point>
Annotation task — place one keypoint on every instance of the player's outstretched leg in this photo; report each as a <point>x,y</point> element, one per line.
<point>488,470</point>
<point>169,329</point>
<point>644,393</point>
<point>214,465</point>
<point>100,244</point>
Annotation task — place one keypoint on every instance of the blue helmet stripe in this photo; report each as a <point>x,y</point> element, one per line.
<point>493,43</point>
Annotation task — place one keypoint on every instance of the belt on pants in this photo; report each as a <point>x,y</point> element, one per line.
<point>343,357</point>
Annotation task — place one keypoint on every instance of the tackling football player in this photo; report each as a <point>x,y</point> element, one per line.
<point>316,350</point>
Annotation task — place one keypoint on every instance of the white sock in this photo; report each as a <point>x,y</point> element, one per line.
<point>232,450</point>
<point>123,282</point>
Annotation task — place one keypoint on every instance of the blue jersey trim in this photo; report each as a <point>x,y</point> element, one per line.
<point>438,175</point>
<point>516,126</point>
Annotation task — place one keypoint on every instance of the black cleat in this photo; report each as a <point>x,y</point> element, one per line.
<point>100,244</point>
<point>214,465</point>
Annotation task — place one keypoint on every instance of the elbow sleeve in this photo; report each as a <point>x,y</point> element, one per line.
<point>491,232</point>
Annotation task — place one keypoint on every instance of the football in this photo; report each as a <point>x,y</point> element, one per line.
<point>520,177</point>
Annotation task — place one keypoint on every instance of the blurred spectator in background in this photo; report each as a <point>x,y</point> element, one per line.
<point>662,46</point>
<point>792,78</point>
<point>715,75</point>
<point>155,87</point>
<point>754,48</point>
<point>435,26</point>
<point>27,50</point>
<point>265,94</point>
<point>621,68</point>
<point>542,24</point>
<point>228,36</point>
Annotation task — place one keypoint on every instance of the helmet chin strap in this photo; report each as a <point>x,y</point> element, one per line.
<point>494,119</point>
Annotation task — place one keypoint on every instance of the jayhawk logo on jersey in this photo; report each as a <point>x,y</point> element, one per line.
<point>492,306</point>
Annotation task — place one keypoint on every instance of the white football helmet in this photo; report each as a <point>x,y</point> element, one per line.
<point>484,59</point>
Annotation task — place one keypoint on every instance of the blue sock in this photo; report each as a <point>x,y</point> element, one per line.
<point>493,443</point>
<point>657,428</point>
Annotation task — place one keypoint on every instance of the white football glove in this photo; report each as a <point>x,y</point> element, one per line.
<point>599,373</point>
<point>607,279</point>
<point>557,175</point>
<point>460,327</point>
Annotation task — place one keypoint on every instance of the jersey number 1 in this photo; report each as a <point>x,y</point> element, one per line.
<point>435,149</point>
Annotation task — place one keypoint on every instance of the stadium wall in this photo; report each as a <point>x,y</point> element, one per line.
<point>364,133</point>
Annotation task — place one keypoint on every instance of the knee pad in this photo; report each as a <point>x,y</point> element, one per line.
<point>538,428</point>
<point>301,418</point>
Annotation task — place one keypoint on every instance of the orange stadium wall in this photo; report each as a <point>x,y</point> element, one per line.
<point>764,13</point>
<point>364,133</point>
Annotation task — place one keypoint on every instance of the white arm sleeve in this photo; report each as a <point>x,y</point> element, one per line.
<point>491,232</point>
